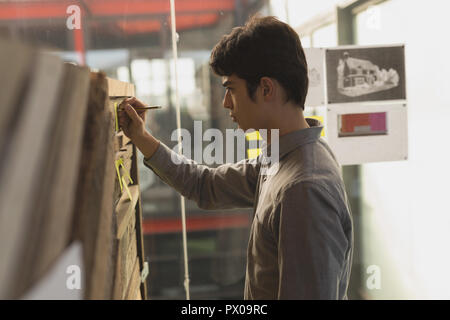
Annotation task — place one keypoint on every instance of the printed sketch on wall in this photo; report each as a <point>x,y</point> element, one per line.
<point>316,75</point>
<point>365,74</point>
<point>357,77</point>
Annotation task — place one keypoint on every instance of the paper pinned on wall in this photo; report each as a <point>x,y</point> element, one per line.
<point>362,74</point>
<point>364,133</point>
<point>315,58</point>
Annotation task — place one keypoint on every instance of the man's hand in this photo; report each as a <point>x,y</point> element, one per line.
<point>132,121</point>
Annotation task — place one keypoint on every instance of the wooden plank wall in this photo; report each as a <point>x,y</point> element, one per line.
<point>59,179</point>
<point>93,223</point>
<point>32,123</point>
<point>130,250</point>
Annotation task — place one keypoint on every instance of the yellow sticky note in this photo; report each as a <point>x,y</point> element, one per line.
<point>125,169</point>
<point>126,188</point>
<point>117,119</point>
<point>253,153</point>
<point>320,118</point>
<point>253,136</point>
<point>117,163</point>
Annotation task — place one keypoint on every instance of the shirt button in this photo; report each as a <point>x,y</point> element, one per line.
<point>264,179</point>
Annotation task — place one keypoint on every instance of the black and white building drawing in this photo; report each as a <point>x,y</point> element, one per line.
<point>365,74</point>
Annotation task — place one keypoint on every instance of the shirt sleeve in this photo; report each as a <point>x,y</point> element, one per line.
<point>312,245</point>
<point>227,186</point>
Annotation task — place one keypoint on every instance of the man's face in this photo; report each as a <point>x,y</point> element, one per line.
<point>243,110</point>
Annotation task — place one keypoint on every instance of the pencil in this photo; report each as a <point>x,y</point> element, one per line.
<point>142,108</point>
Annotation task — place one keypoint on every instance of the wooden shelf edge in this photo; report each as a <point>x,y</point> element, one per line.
<point>125,208</point>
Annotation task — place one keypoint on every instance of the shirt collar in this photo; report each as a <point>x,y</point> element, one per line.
<point>295,139</point>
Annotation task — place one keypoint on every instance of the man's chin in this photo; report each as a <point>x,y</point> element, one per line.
<point>242,127</point>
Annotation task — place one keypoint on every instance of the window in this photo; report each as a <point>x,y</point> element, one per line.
<point>405,219</point>
<point>325,36</point>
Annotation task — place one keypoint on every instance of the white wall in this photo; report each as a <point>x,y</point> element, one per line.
<point>406,216</point>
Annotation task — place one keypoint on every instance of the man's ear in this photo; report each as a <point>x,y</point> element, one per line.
<point>267,87</point>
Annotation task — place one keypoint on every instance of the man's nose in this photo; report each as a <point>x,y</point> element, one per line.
<point>226,101</point>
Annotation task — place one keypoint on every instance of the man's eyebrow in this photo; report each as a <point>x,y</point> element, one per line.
<point>227,83</point>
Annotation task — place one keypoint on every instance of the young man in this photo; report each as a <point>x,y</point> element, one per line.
<point>301,237</point>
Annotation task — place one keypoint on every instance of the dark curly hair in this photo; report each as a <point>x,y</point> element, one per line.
<point>264,47</point>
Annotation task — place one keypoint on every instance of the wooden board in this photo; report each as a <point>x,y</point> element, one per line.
<point>126,152</point>
<point>120,88</point>
<point>93,223</point>
<point>15,66</point>
<point>129,213</point>
<point>126,209</point>
<point>126,256</point>
<point>22,166</point>
<point>129,261</point>
<point>138,295</point>
<point>125,172</point>
<point>121,141</point>
<point>59,181</point>
<point>135,283</point>
<point>125,155</point>
<point>52,216</point>
<point>139,233</point>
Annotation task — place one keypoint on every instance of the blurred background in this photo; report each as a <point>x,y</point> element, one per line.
<point>401,216</point>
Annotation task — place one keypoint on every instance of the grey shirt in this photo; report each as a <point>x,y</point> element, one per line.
<point>301,237</point>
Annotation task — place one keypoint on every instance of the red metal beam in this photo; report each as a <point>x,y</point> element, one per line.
<point>115,7</point>
<point>192,21</point>
<point>204,223</point>
<point>133,27</point>
<point>183,22</point>
<point>78,38</point>
<point>103,8</point>
<point>33,10</point>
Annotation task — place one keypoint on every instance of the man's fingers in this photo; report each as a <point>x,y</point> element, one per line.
<point>131,112</point>
<point>137,103</point>
<point>141,113</point>
<point>133,101</point>
<point>124,121</point>
<point>122,116</point>
<point>129,100</point>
